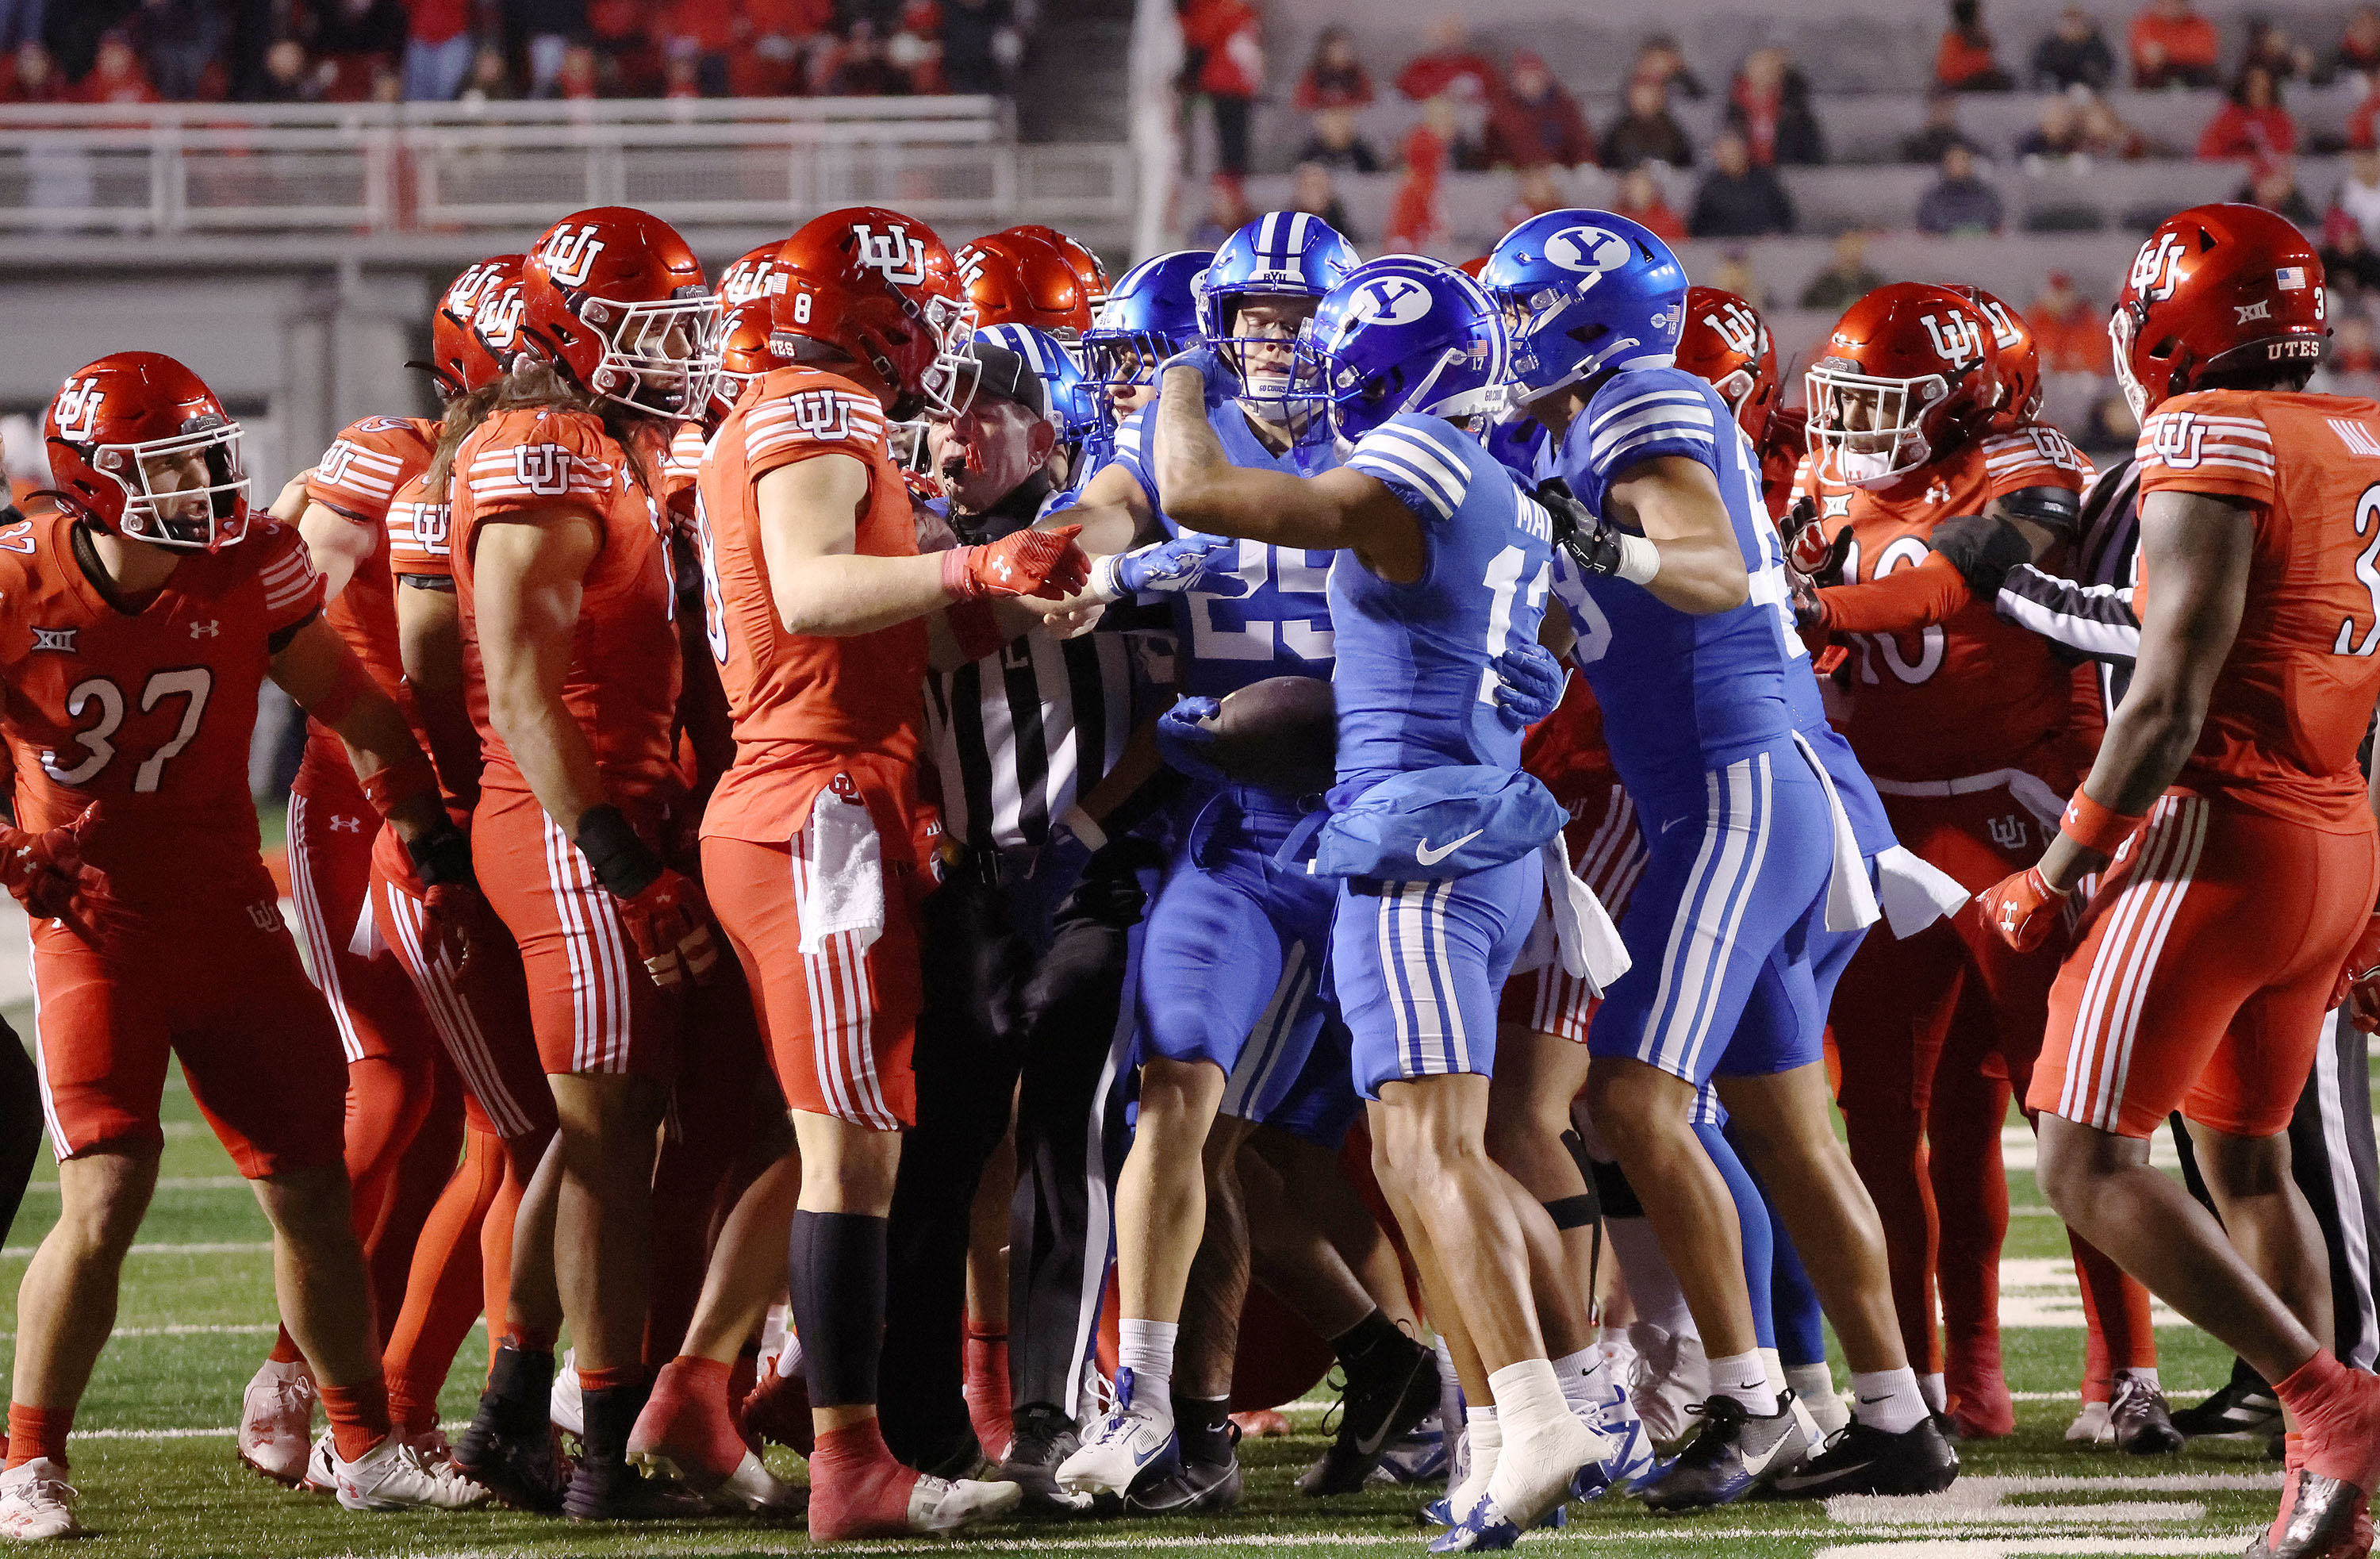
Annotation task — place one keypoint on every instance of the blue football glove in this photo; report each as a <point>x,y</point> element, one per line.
<point>1184,734</point>
<point>1172,567</point>
<point>1221,383</point>
<point>1529,684</point>
<point>1057,867</point>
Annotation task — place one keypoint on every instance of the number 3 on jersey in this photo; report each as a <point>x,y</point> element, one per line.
<point>191,683</point>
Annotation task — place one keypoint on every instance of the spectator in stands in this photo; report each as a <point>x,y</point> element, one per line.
<point>1535,121</point>
<point>702,33</point>
<point>178,40</point>
<point>1534,194</point>
<point>2252,124</point>
<point>1962,205</point>
<point>2271,46</point>
<point>916,47</point>
<point>2359,194</point>
<point>1966,61</point>
<point>981,45</point>
<point>2350,265</point>
<point>1336,144</point>
<point>1939,133</point>
<point>1640,200</point>
<point>1225,66</point>
<point>115,75</point>
<point>2075,54</point>
<point>34,77</point>
<point>2059,132</point>
<point>358,37</point>
<point>20,23</point>
<point>2172,45</point>
<point>1227,212</point>
<point>1846,278</point>
<point>2105,135</point>
<point>438,49</point>
<point>1768,104</point>
<point>1646,132</point>
<point>1734,273</point>
<point>491,77</point>
<point>2357,51</point>
<point>681,77</point>
<point>1659,58</point>
<point>549,26</point>
<point>2070,330</point>
<point>2274,186</point>
<point>581,80</point>
<point>290,77</point>
<point>1450,64</point>
<point>862,69</point>
<point>1334,77</point>
<point>2352,349</point>
<point>1310,189</point>
<point>1738,198</point>
<point>786,36</point>
<point>1438,142</point>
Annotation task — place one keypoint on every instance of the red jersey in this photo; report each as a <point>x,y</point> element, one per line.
<point>362,478</point>
<point>799,700</point>
<point>623,682</point>
<point>2297,690</point>
<point>1973,694</point>
<point>149,713</point>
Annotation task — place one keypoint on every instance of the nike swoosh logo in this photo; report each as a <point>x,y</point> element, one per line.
<point>1369,1446</point>
<point>1759,1465</point>
<point>1791,1481</point>
<point>1428,856</point>
<point>1872,1401</point>
<point>1138,1460</point>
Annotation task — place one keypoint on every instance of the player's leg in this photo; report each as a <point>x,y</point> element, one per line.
<point>1969,1101</point>
<point>446,1292</point>
<point>21,1122</point>
<point>984,1365</point>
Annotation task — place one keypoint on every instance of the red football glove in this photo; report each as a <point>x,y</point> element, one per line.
<point>1043,563</point>
<point>46,873</point>
<point>670,923</point>
<point>2024,909</point>
<point>2359,980</point>
<point>461,923</point>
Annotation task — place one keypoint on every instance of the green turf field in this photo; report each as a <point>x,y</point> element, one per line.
<point>152,1452</point>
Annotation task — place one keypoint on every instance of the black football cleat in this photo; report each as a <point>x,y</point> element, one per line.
<point>2138,1420</point>
<point>1735,1455</point>
<point>1386,1392</point>
<point>1863,1460</point>
<point>1044,1437</point>
<point>2242,1406</point>
<point>1190,1488</point>
<point>509,1448</point>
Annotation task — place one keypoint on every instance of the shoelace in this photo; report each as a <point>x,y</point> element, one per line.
<point>1337,1412</point>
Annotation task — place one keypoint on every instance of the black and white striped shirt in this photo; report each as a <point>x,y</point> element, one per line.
<point>1016,737</point>
<point>2091,614</point>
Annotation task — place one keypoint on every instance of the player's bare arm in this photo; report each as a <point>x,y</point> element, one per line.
<point>429,646</point>
<point>1113,512</point>
<point>1339,509</point>
<point>339,545</point>
<point>531,572</point>
<point>2198,548</point>
<point>321,673</point>
<point>1675,503</point>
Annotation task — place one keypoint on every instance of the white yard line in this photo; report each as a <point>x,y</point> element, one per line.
<point>217,1248</point>
<point>181,1183</point>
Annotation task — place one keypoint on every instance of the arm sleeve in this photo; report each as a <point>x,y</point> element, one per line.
<point>2093,621</point>
<point>293,590</point>
<point>1902,602</point>
<point>2212,441</point>
<point>366,466</point>
<point>784,428</point>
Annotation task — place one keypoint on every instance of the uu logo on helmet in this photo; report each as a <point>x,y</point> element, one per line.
<point>1738,326</point>
<point>79,408</point>
<point>498,321</point>
<point>570,257</point>
<point>2157,270</point>
<point>1957,342</point>
<point>1587,250</point>
<point>899,257</point>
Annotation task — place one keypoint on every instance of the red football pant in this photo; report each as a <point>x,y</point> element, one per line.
<point>450,1282</point>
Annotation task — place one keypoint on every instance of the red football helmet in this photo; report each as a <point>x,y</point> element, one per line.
<point>1726,342</point>
<point>461,358</point>
<point>745,326</point>
<point>1089,268</point>
<point>878,287</point>
<point>2216,288</point>
<point>140,447</point>
<point>2015,357</point>
<point>1906,378</point>
<point>616,300</point>
<point>1014,280</point>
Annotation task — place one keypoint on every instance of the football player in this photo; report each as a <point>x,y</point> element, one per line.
<point>2230,821</point>
<point>140,619</point>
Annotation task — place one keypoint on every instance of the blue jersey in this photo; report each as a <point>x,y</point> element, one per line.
<point>1862,805</point>
<point>1414,685</point>
<point>1521,447</point>
<point>1280,624</point>
<point>1682,693</point>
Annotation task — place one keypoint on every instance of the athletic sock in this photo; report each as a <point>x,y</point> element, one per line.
<point>1483,1445</point>
<point>1934,1389</point>
<point>1889,1399</point>
<point>286,1350</point>
<point>1544,1442</point>
<point>855,1484</point>
<point>1374,1336</point>
<point>1449,1395</point>
<point>522,1382</point>
<point>1814,1385</point>
<point>1583,1378</point>
<point>984,1388</point>
<point>445,1289</point>
<point>1774,1368</point>
<point>840,1264</point>
<point>1204,1424</point>
<point>1744,1378</point>
<point>1146,1347</point>
<point>1652,1285</point>
<point>534,1339</point>
<point>35,1433</point>
<point>359,1415</point>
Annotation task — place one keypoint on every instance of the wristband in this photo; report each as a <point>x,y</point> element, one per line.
<point>1103,588</point>
<point>1639,559</point>
<point>2095,827</point>
<point>975,628</point>
<point>958,576</point>
<point>440,857</point>
<point>402,781</point>
<point>625,864</point>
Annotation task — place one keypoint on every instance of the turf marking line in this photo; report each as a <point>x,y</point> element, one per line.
<point>2007,1548</point>
<point>212,1247</point>
<point>1983,1501</point>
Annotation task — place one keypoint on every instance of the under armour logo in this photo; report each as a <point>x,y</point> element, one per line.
<point>543,469</point>
<point>569,256</point>
<point>62,639</point>
<point>346,825</point>
<point>2261,310</point>
<point>1738,326</point>
<point>2007,832</point>
<point>210,628</point>
<point>1937,492</point>
<point>2177,439</point>
<point>2157,270</point>
<point>78,408</point>
<point>1958,341</point>
<point>899,257</point>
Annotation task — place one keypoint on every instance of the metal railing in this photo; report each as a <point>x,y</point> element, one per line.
<point>381,168</point>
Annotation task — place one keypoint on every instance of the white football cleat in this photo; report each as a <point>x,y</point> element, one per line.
<point>564,1405</point>
<point>1671,1375</point>
<point>37,1502</point>
<point>1130,1443</point>
<point>277,1421</point>
<point>395,1475</point>
<point>2090,1425</point>
<point>941,1504</point>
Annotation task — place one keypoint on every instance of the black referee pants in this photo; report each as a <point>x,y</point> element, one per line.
<point>994,1016</point>
<point>2333,1158</point>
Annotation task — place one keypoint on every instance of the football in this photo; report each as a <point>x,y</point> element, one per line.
<point>1280,734</point>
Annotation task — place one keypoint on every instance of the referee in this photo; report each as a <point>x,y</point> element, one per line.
<point>1028,738</point>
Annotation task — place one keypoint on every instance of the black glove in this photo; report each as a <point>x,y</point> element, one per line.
<point>1579,530</point>
<point>1983,548</point>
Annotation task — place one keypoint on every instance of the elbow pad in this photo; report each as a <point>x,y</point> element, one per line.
<point>1983,548</point>
<point>2057,510</point>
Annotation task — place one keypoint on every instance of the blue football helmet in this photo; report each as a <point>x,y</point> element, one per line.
<point>1281,254</point>
<point>1583,292</point>
<point>1148,316</point>
<point>1403,334</point>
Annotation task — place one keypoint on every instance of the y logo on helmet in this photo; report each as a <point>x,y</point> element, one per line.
<point>1955,343</point>
<point>2157,270</point>
<point>79,408</point>
<point>1390,301</point>
<point>570,256</point>
<point>2176,438</point>
<point>899,257</point>
<point>1738,326</point>
<point>1587,250</point>
<point>543,469</point>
